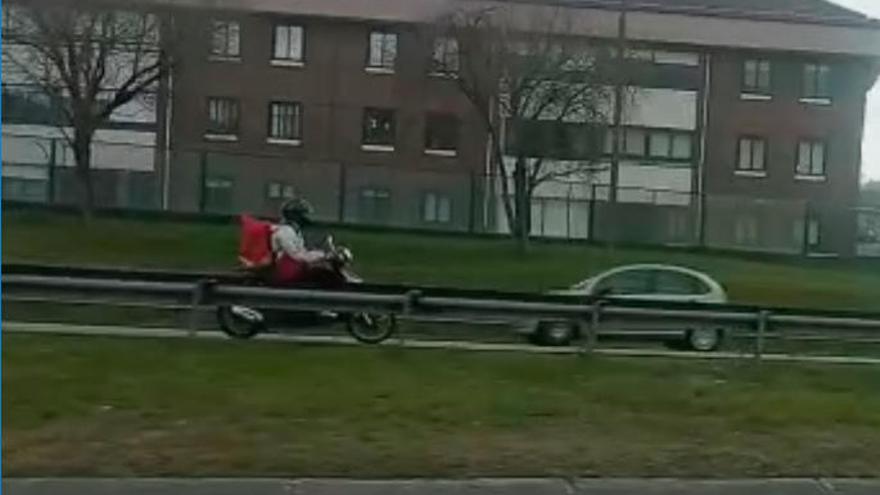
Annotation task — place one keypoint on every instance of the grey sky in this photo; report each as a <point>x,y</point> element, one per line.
<point>871,154</point>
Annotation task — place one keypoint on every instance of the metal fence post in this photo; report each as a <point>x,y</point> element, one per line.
<point>472,203</point>
<point>340,200</point>
<point>50,180</point>
<point>763,324</point>
<point>203,181</point>
<point>591,215</point>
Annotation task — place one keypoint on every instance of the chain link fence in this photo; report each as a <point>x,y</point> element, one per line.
<point>127,176</point>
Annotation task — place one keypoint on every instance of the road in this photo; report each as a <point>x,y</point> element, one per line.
<point>137,332</point>
<point>438,487</point>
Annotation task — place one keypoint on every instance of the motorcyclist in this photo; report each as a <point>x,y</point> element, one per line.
<point>293,260</point>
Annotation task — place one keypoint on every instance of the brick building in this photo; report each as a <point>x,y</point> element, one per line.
<point>743,132</point>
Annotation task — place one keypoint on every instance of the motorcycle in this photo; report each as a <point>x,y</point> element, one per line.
<point>242,322</point>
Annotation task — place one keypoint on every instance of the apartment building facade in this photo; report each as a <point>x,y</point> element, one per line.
<point>743,130</point>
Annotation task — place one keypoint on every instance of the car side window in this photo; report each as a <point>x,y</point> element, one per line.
<point>630,282</point>
<point>675,283</point>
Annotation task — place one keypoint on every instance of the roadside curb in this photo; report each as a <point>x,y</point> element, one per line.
<point>476,486</point>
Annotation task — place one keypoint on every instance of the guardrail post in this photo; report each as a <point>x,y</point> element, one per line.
<point>412,298</point>
<point>760,340</point>
<point>200,295</point>
<point>588,344</point>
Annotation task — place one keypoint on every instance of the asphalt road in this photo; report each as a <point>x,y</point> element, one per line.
<point>437,487</point>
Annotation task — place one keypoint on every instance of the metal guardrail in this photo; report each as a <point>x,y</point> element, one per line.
<point>198,292</point>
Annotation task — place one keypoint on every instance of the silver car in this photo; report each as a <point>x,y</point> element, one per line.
<point>645,282</point>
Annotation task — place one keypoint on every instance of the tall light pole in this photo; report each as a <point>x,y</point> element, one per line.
<point>620,81</point>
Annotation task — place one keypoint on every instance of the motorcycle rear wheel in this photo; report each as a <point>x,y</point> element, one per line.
<point>371,328</point>
<point>235,326</point>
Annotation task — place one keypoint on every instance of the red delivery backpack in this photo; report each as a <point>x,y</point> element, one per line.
<point>255,245</point>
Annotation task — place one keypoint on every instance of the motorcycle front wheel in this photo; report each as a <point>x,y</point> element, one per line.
<point>235,323</point>
<point>371,328</point>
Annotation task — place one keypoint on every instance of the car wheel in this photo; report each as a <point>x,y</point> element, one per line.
<point>554,333</point>
<point>704,339</point>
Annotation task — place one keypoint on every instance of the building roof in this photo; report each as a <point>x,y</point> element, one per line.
<point>796,11</point>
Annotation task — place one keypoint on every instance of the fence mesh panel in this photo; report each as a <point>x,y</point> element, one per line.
<point>128,175</point>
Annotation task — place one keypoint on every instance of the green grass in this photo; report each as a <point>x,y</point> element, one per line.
<point>115,407</point>
<point>421,259</point>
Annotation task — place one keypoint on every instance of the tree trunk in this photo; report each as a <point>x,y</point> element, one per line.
<point>82,153</point>
<point>523,215</point>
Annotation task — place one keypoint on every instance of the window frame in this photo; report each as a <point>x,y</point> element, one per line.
<point>438,198</point>
<point>207,205</point>
<point>753,90</point>
<point>817,96</point>
<point>224,55</point>
<point>378,194</point>
<point>283,189</point>
<point>811,175</point>
<point>442,151</point>
<point>297,124</point>
<point>288,61</point>
<point>226,133</point>
<point>646,155</point>
<point>751,170</point>
<point>382,67</point>
<point>374,145</point>
<point>440,66</point>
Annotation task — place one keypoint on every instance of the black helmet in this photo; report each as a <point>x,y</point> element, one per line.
<point>296,210</point>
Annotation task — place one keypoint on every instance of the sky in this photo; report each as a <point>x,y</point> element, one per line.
<point>871,146</point>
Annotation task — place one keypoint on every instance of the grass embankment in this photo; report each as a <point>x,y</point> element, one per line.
<point>438,260</point>
<point>115,407</point>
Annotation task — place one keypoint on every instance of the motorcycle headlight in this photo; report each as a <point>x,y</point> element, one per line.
<point>346,255</point>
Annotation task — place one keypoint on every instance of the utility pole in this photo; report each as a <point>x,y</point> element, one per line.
<point>620,81</point>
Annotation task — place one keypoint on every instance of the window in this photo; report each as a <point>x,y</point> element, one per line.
<point>552,139</point>
<point>383,51</point>
<point>25,104</point>
<point>285,122</point>
<point>445,58</point>
<point>630,282</point>
<point>809,234</point>
<point>814,233</point>
<point>811,159</point>
<point>225,40</point>
<point>222,117</point>
<point>674,283</point>
<point>816,82</point>
<point>669,145</point>
<point>634,142</point>
<point>30,190</point>
<point>288,45</point>
<point>659,144</point>
<point>379,129</point>
<point>436,208</point>
<point>751,155</point>
<point>756,77</point>
<point>441,133</point>
<point>279,190</point>
<point>375,205</point>
<point>682,147</point>
<point>218,194</point>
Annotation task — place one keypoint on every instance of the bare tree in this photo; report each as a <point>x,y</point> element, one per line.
<point>88,60</point>
<point>543,95</point>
